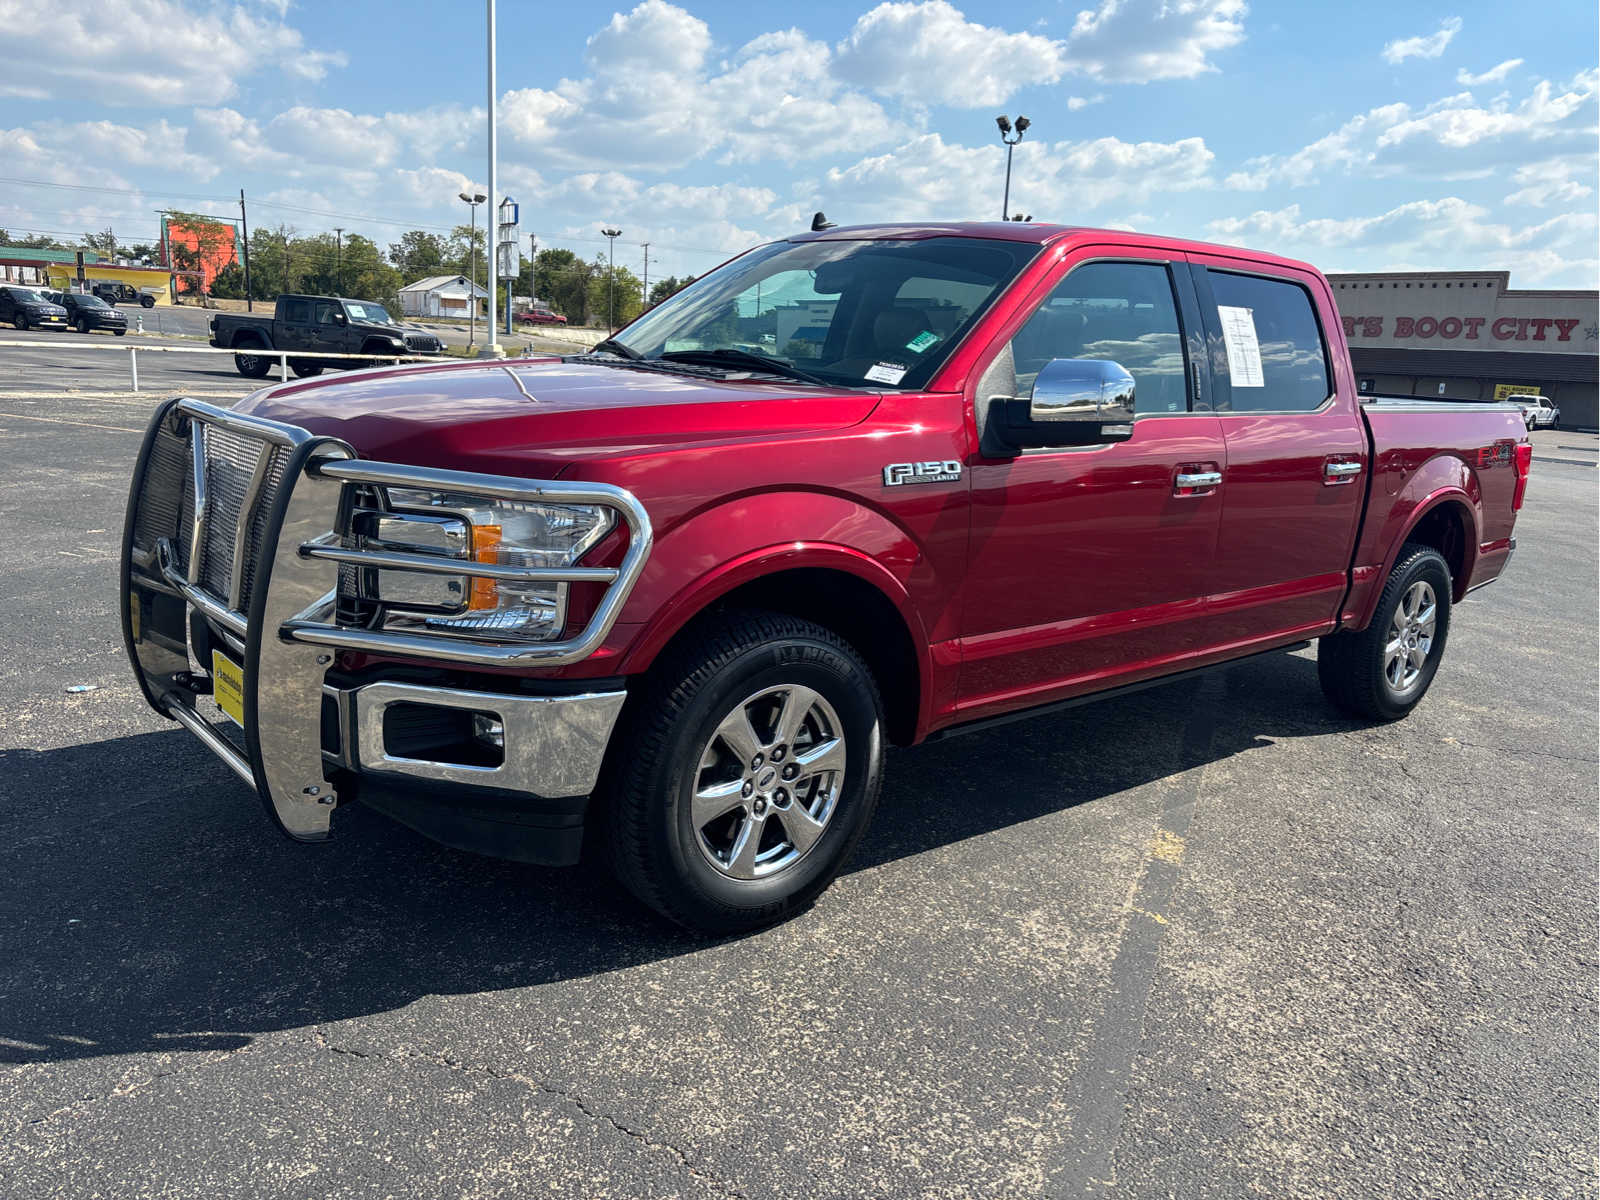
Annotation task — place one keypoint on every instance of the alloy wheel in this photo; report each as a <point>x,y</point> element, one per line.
<point>1411,636</point>
<point>769,781</point>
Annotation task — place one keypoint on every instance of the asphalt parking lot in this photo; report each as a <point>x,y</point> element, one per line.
<point>1210,940</point>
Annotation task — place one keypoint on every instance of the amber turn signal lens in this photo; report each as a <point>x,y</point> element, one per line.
<point>485,549</point>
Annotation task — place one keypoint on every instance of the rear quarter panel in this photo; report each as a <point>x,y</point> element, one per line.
<point>1426,454</point>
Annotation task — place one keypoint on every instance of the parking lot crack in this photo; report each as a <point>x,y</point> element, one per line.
<point>546,1088</point>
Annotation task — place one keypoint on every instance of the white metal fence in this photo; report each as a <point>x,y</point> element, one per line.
<point>283,356</point>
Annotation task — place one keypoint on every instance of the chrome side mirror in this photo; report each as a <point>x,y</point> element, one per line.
<point>1082,390</point>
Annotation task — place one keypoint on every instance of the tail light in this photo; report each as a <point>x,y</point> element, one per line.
<point>1524,465</point>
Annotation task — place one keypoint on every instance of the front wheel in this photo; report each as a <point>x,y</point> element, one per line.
<point>83,325</point>
<point>745,772</point>
<point>1383,671</point>
<point>120,332</point>
<point>21,321</point>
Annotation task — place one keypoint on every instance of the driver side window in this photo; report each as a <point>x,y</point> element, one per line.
<point>1122,311</point>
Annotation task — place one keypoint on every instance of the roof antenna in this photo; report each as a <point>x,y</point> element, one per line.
<point>819,222</point>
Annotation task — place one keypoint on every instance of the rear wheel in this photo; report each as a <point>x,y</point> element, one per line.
<point>746,770</point>
<point>303,369</point>
<point>1383,671</point>
<point>252,366</point>
<point>147,301</point>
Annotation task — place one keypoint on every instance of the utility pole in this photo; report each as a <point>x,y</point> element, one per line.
<point>644,288</point>
<point>492,348</point>
<point>338,260</point>
<point>244,218</point>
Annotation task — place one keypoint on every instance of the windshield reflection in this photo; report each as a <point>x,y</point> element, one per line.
<point>870,313</point>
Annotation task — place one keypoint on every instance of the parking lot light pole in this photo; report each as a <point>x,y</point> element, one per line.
<point>473,199</point>
<point>611,279</point>
<point>491,348</point>
<point>1010,140</point>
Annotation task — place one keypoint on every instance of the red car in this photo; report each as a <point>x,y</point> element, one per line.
<point>535,316</point>
<point>859,487</point>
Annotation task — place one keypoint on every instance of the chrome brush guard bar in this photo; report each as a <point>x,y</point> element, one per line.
<point>283,626</point>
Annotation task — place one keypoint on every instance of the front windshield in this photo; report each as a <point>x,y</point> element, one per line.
<point>859,313</point>
<point>26,296</point>
<point>87,301</point>
<point>373,314</point>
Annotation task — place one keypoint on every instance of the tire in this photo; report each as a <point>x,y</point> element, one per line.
<point>304,370</point>
<point>699,868</point>
<point>1362,673</point>
<point>83,325</point>
<point>120,332</point>
<point>21,321</point>
<point>252,366</point>
<point>147,301</point>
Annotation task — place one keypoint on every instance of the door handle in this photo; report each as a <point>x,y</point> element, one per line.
<point>1199,479</point>
<point>1340,472</point>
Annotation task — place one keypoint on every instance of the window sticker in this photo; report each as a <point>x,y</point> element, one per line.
<point>887,372</point>
<point>922,341</point>
<point>1244,351</point>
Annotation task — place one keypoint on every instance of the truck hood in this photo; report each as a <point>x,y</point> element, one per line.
<point>521,415</point>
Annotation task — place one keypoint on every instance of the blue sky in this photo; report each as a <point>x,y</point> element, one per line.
<point>1360,136</point>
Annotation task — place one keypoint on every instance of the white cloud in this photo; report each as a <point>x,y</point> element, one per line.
<point>1553,181</point>
<point>929,178</point>
<point>1426,235</point>
<point>1134,41</point>
<point>928,52</point>
<point>1429,45</point>
<point>1075,103</point>
<point>159,52</point>
<point>653,99</point>
<point>333,135</point>
<point>1455,137</point>
<point>1494,74</point>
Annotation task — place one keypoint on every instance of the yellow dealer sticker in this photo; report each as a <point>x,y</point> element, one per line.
<point>227,681</point>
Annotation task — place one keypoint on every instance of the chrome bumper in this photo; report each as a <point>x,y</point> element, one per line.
<point>278,617</point>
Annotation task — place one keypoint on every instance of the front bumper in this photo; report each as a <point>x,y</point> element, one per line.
<point>244,562</point>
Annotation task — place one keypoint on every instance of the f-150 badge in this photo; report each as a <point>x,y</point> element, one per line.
<point>896,474</point>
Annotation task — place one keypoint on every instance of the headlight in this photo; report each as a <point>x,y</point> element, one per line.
<point>470,528</point>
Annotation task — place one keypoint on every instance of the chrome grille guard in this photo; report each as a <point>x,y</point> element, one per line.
<point>284,623</point>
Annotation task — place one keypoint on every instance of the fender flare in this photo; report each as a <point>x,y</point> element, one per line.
<point>249,339</point>
<point>1450,494</point>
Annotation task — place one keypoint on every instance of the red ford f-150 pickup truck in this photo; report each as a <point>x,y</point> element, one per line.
<point>858,487</point>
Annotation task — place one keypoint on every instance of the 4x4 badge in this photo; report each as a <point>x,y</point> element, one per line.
<point>896,474</point>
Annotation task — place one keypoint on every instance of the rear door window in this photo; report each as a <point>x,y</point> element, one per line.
<point>297,312</point>
<point>1274,352</point>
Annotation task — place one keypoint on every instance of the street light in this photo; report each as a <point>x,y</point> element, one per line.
<point>1006,136</point>
<point>473,199</point>
<point>611,279</point>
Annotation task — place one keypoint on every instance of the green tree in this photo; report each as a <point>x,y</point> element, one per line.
<point>103,243</point>
<point>459,256</point>
<point>228,283</point>
<point>619,307</point>
<point>419,254</point>
<point>561,279</point>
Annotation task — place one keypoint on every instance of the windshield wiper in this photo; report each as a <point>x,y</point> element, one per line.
<point>760,362</point>
<point>612,346</point>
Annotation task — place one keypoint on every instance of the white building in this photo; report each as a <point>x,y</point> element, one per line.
<point>440,296</point>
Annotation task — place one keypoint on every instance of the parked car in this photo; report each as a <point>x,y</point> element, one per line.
<point>321,324</point>
<point>29,308</point>
<point>538,316</point>
<point>86,312</point>
<point>115,292</point>
<point>1017,467</point>
<point>1537,411</point>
